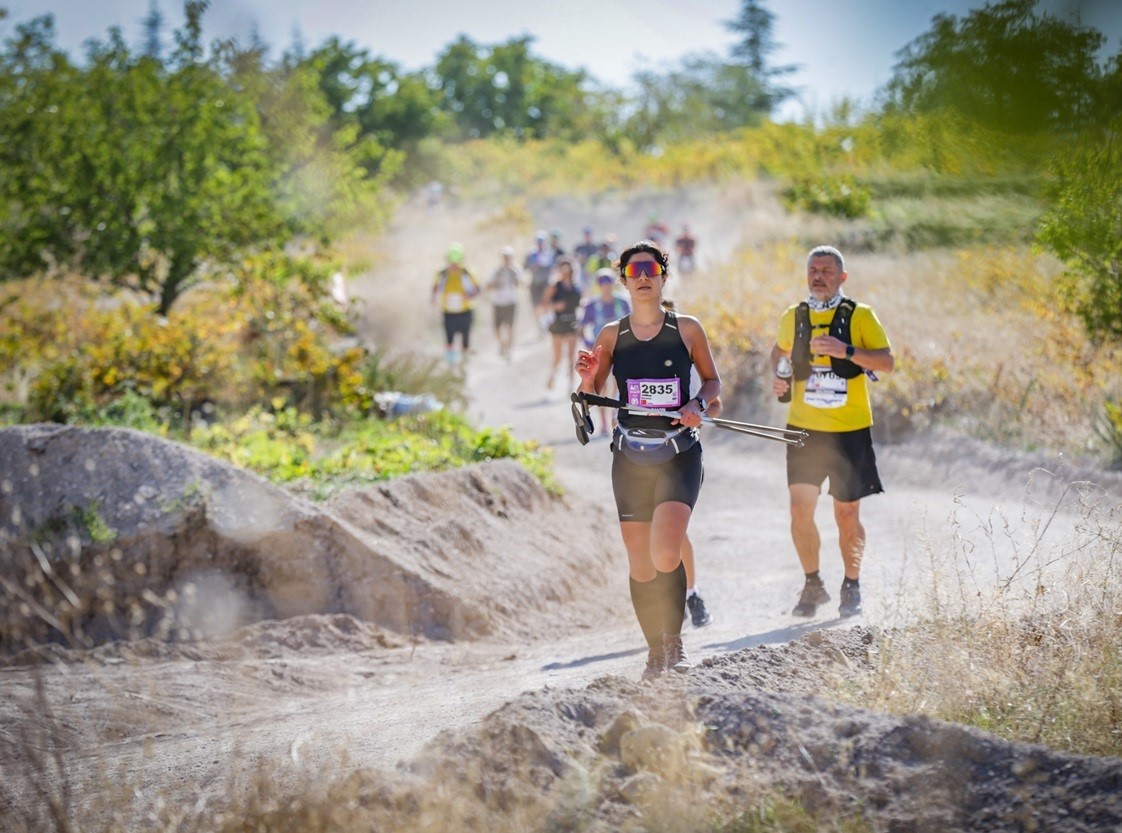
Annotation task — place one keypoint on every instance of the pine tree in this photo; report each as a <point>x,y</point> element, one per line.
<point>753,51</point>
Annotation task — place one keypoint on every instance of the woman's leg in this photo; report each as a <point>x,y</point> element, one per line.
<point>687,562</point>
<point>658,596</point>
<point>654,559</point>
<point>668,530</point>
<point>646,595</point>
<point>556,359</point>
<point>570,359</point>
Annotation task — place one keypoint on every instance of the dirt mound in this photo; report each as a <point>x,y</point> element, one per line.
<point>744,726</point>
<point>111,533</point>
<point>491,545</point>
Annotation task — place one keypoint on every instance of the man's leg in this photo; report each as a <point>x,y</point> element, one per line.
<point>449,339</point>
<point>465,332</point>
<point>851,536</point>
<point>804,532</point>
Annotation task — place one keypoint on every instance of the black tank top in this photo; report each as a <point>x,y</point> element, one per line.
<point>643,369</point>
<point>570,296</point>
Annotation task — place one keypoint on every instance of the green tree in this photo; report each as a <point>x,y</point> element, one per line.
<point>127,169</point>
<point>1083,226</point>
<point>704,95</point>
<point>328,177</point>
<point>754,26</point>
<point>153,31</point>
<point>37,104</point>
<point>505,89</point>
<point>152,174</point>
<point>1004,66</point>
<point>394,107</point>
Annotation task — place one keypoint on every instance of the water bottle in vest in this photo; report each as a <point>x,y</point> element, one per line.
<point>784,370</point>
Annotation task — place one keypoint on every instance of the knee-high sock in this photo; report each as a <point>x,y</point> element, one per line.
<point>672,595</point>
<point>646,598</point>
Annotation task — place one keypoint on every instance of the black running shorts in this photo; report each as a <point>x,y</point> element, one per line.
<point>639,489</point>
<point>458,322</point>
<point>846,457</point>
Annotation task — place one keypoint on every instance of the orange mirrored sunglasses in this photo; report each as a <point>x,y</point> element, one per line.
<point>635,268</point>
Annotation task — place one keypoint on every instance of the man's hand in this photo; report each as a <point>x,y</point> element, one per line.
<point>827,346</point>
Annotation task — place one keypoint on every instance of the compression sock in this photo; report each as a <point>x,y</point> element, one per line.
<point>648,610</point>
<point>673,598</point>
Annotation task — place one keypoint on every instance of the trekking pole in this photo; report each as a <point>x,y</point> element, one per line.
<point>788,436</point>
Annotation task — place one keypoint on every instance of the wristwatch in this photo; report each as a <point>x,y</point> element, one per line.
<point>700,403</point>
<point>849,351</point>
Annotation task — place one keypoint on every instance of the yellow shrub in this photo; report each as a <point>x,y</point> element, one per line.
<point>265,336</point>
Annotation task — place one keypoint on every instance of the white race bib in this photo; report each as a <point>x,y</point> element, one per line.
<point>825,389</point>
<point>654,393</point>
<point>454,302</point>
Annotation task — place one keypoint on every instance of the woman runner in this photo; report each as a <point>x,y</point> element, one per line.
<point>563,298</point>
<point>650,352</point>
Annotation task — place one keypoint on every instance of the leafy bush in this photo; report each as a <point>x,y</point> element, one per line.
<point>291,449</point>
<point>836,196</point>
<point>266,333</point>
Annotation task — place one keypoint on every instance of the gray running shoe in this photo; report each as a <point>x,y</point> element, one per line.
<point>675,653</point>
<point>656,663</point>
<point>850,600</point>
<point>814,593</point>
<point>698,613</point>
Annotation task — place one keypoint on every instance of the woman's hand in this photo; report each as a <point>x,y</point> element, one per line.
<point>588,364</point>
<point>690,415</point>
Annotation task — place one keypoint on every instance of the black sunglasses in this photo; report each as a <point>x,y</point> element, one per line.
<point>583,422</point>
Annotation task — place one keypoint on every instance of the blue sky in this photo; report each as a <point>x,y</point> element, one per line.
<point>842,47</point>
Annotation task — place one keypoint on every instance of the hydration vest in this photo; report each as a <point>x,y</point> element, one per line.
<point>839,329</point>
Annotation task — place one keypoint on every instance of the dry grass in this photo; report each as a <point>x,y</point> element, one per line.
<point>983,344</point>
<point>1017,633</point>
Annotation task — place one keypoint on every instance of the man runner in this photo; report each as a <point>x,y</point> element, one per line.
<point>836,346</point>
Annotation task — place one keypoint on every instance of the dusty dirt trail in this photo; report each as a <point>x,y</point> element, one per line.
<point>747,567</point>
<point>329,698</point>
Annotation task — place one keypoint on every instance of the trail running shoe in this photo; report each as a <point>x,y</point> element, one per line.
<point>814,593</point>
<point>698,613</point>
<point>656,663</point>
<point>850,600</point>
<point>675,653</point>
